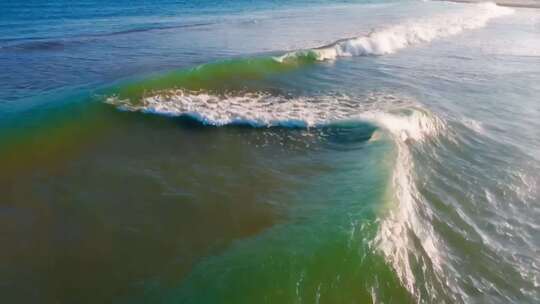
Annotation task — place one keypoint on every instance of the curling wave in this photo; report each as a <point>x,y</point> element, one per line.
<point>401,116</point>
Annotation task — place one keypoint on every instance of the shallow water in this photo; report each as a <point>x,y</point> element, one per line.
<point>211,153</point>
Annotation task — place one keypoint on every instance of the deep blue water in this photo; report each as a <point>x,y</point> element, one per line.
<point>49,45</point>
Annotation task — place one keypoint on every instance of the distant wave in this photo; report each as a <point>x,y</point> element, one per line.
<point>225,75</point>
<point>151,28</point>
<point>47,45</point>
<point>393,38</point>
<point>378,42</point>
<point>59,43</point>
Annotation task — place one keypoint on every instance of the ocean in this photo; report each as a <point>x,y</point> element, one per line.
<point>269,152</point>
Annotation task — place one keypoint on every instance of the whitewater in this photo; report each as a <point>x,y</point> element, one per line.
<point>394,38</point>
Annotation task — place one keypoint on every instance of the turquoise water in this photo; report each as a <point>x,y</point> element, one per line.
<point>269,152</point>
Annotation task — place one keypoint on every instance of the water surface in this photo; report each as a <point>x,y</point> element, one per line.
<point>269,152</point>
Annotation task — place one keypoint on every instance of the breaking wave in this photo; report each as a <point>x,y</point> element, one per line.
<point>401,116</point>
<point>406,237</point>
<point>393,38</point>
<point>209,94</point>
<point>232,74</point>
<point>407,123</point>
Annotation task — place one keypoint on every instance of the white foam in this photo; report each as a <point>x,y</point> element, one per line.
<point>393,38</point>
<point>406,237</point>
<point>401,116</point>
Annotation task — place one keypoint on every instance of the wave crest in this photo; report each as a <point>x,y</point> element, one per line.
<point>391,39</point>
<point>399,115</point>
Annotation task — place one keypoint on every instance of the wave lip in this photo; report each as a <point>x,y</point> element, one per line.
<point>393,38</point>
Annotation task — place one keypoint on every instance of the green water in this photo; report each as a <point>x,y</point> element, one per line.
<point>152,209</point>
<point>218,77</point>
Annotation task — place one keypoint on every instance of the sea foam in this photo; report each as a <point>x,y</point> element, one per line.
<point>400,115</point>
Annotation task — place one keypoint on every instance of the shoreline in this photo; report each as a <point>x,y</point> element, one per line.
<point>509,3</point>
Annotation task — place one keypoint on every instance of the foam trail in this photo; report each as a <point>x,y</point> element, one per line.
<point>406,239</point>
<point>391,39</point>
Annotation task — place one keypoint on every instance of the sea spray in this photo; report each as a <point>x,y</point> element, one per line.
<point>405,236</point>
<point>397,113</point>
